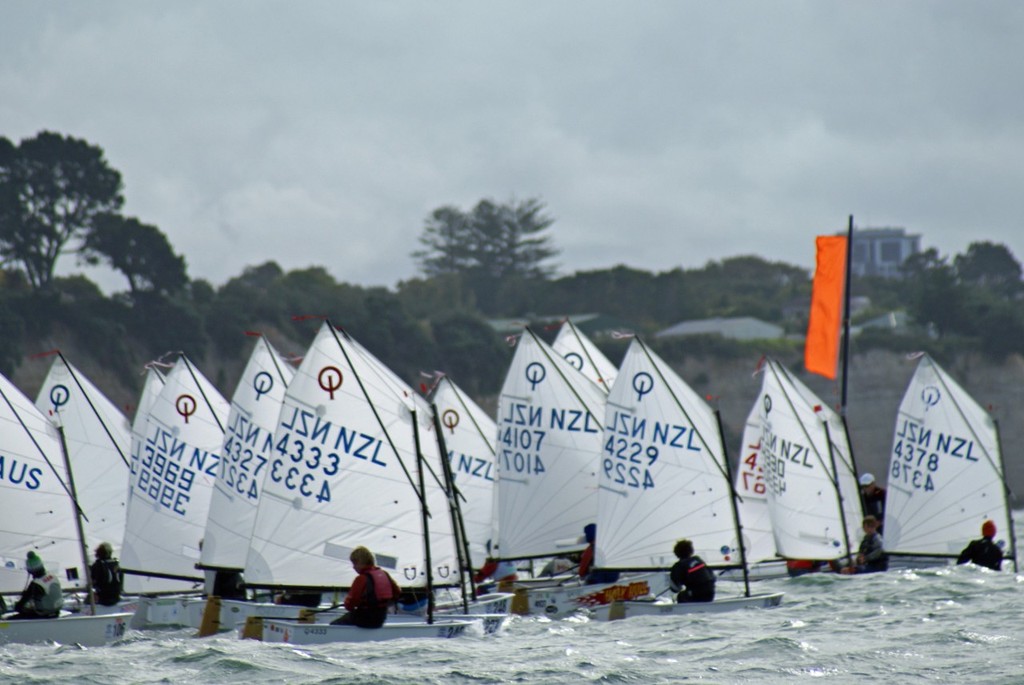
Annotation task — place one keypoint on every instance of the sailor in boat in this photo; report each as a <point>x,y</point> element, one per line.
<point>371,594</point>
<point>42,597</point>
<point>873,497</point>
<point>587,559</point>
<point>690,577</point>
<point>497,571</point>
<point>871,556</point>
<point>983,552</point>
<point>107,577</point>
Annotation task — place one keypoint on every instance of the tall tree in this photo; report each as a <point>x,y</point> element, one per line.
<point>139,251</point>
<point>493,240</point>
<point>52,188</point>
<point>989,265</point>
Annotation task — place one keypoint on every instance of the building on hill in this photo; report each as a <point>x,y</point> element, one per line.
<point>882,251</point>
<point>736,328</point>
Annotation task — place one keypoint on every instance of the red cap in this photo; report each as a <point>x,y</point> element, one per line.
<point>988,529</point>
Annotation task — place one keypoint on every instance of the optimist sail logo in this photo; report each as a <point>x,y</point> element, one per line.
<point>262,384</point>
<point>535,373</point>
<point>186,406</point>
<point>330,379</point>
<point>59,396</point>
<point>643,383</point>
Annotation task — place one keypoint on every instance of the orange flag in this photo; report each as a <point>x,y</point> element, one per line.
<point>821,350</point>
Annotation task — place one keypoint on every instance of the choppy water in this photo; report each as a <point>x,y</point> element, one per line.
<point>948,625</point>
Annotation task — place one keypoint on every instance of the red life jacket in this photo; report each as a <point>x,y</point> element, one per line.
<point>380,581</point>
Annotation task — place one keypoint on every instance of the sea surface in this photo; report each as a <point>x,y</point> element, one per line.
<point>956,624</point>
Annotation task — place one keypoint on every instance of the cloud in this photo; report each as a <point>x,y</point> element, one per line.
<point>659,134</point>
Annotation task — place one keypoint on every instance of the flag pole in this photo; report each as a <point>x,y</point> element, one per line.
<point>846,317</point>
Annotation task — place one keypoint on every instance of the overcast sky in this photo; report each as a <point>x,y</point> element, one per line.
<point>658,134</point>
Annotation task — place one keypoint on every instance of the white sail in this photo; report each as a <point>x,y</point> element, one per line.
<point>469,435</point>
<point>548,452</point>
<point>151,388</point>
<point>663,472</point>
<point>36,511</point>
<point>344,474</point>
<point>946,469</point>
<point>812,487</point>
<point>177,467</point>
<point>755,517</point>
<point>248,448</point>
<point>98,440</point>
<point>577,349</point>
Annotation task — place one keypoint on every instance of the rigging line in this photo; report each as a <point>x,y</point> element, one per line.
<point>810,441</point>
<point>476,424</point>
<point>941,375</point>
<point>680,407</point>
<point>273,359</point>
<point>39,447</point>
<point>579,339</point>
<point>209,405</point>
<point>380,422</point>
<point>554,364</point>
<point>94,410</point>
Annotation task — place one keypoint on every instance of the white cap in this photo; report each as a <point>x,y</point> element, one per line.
<point>867,479</point>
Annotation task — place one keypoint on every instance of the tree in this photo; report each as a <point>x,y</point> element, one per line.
<point>139,251</point>
<point>494,241</point>
<point>52,188</point>
<point>989,265</point>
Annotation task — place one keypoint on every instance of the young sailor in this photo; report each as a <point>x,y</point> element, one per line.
<point>42,597</point>
<point>690,576</point>
<point>983,552</point>
<point>871,556</point>
<point>106,576</point>
<point>372,592</point>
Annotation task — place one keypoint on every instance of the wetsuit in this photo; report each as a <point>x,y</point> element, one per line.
<point>982,552</point>
<point>875,558</point>
<point>693,580</point>
<point>106,581</point>
<point>229,585</point>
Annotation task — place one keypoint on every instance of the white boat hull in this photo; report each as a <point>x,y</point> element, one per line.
<point>555,601</point>
<point>292,632</point>
<point>89,631</point>
<point>618,610</point>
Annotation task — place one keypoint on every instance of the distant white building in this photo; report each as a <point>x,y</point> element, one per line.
<point>736,328</point>
<point>881,251</point>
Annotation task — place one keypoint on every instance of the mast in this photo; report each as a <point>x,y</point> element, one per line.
<point>733,495</point>
<point>458,525</point>
<point>79,514</point>
<point>846,318</point>
<point>424,516</point>
<point>835,484</point>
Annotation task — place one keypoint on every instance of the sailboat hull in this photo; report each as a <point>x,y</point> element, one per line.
<point>619,610</point>
<point>396,628</point>
<point>88,631</point>
<point>561,600</point>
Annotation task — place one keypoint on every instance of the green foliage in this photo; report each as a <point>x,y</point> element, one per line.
<point>52,188</point>
<point>469,351</point>
<point>139,251</point>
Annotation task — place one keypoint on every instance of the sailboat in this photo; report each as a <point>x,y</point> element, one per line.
<point>349,469</point>
<point>664,476</point>
<point>946,473</point>
<point>466,435</point>
<point>583,355</point>
<point>172,482</point>
<point>41,513</point>
<point>98,439</point>
<point>550,436</point>
<point>813,496</point>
